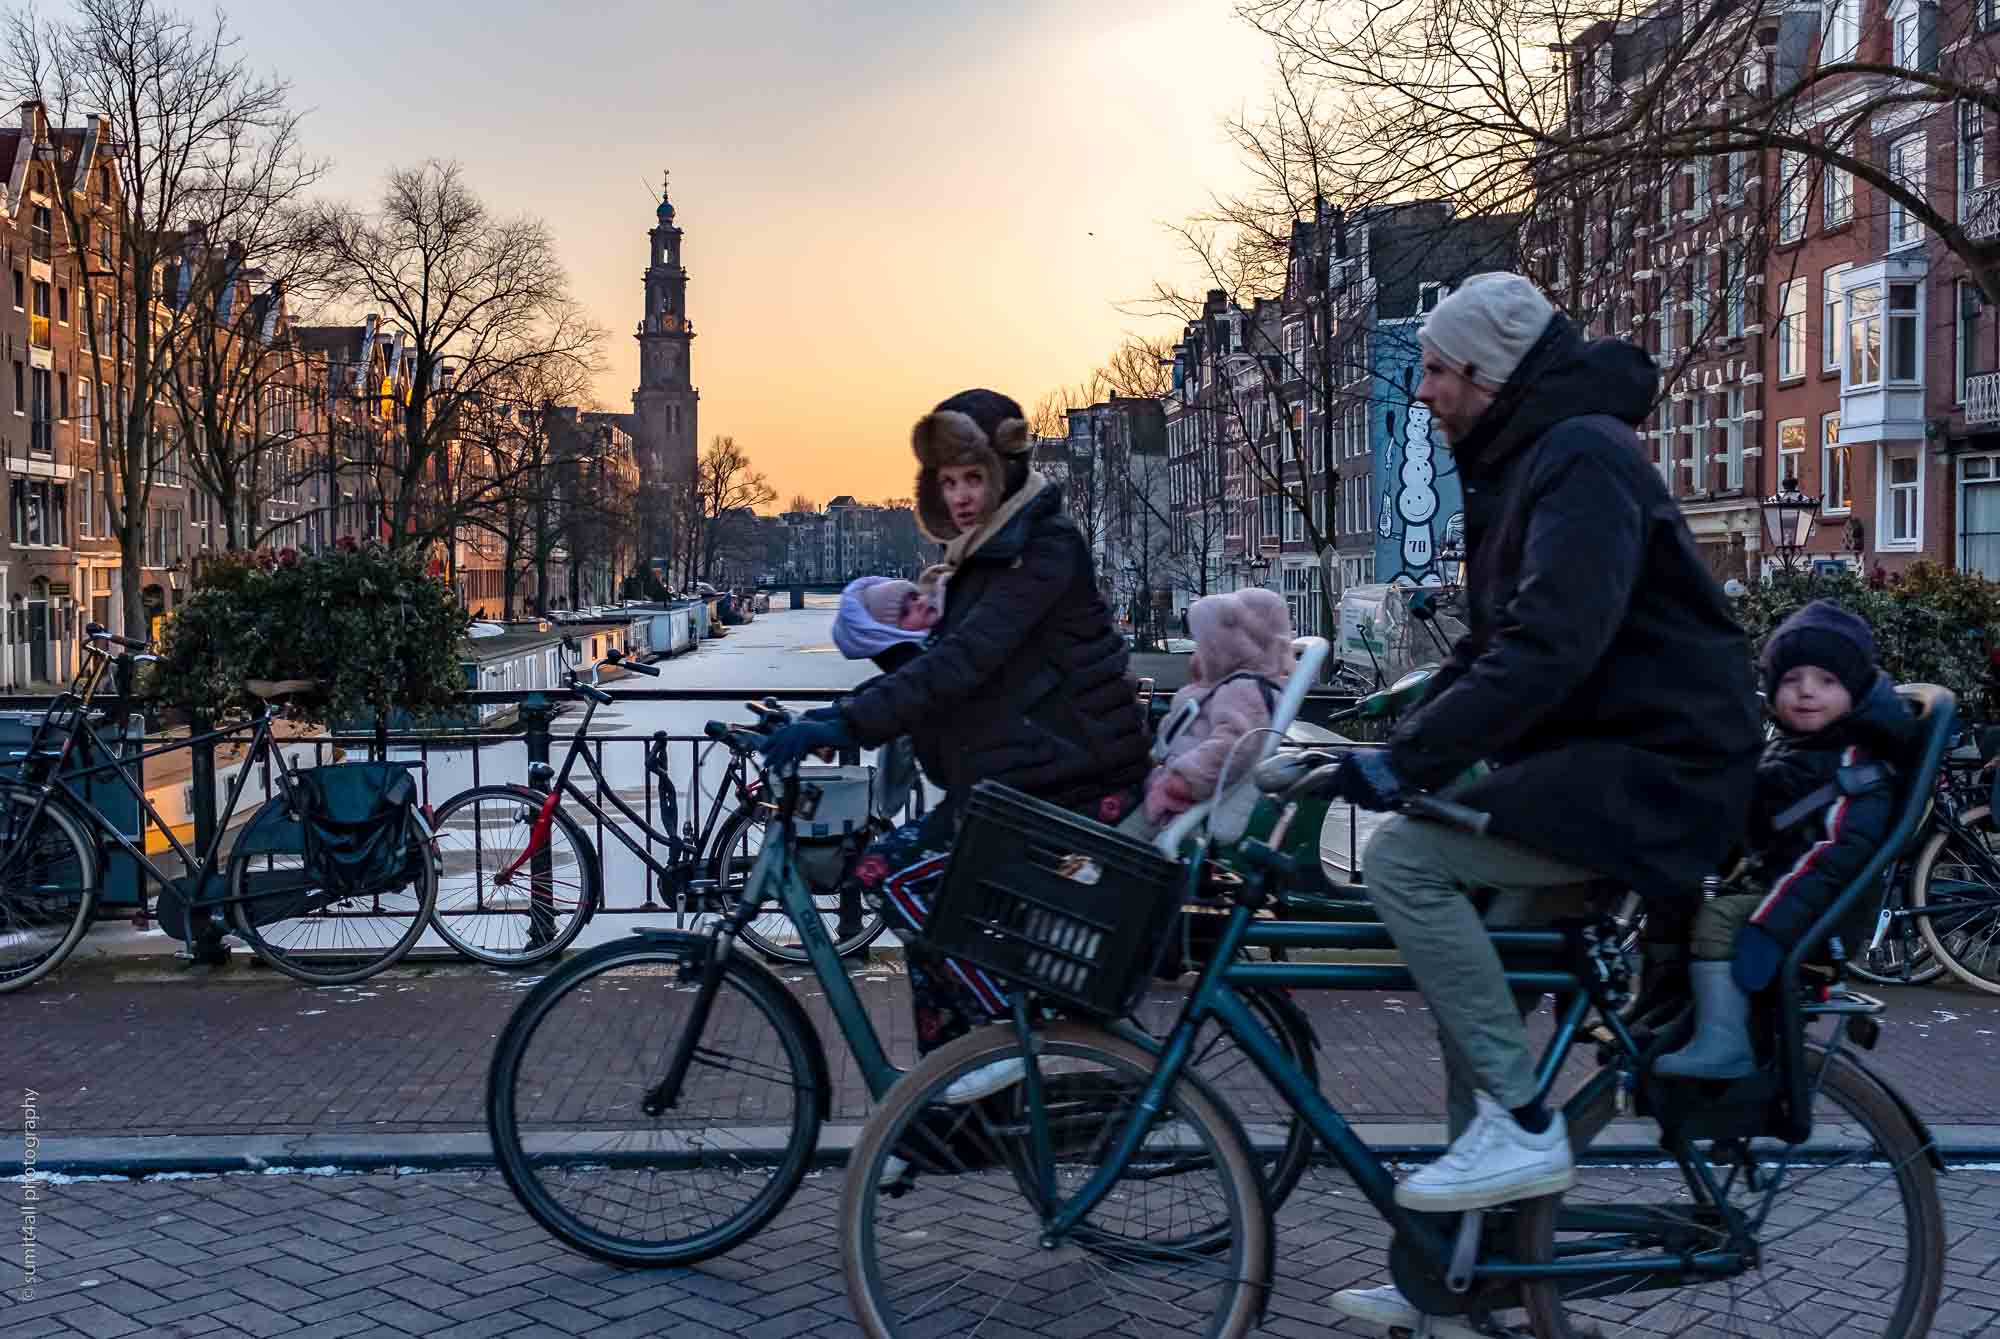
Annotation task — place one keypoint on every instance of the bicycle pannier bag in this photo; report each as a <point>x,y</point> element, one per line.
<point>833,802</point>
<point>355,824</point>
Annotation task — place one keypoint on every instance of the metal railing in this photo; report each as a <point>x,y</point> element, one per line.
<point>1982,398</point>
<point>1979,213</point>
<point>456,760</point>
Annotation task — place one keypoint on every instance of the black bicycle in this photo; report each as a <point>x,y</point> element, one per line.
<point>330,881</point>
<point>522,877</point>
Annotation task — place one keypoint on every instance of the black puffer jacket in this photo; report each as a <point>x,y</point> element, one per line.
<point>1802,868</point>
<point>1024,679</point>
<point>1603,674</point>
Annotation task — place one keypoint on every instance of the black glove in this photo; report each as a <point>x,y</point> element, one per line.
<point>783,748</point>
<point>822,714</point>
<point>1366,781</point>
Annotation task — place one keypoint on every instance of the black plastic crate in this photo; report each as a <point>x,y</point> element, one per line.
<point>1054,902</point>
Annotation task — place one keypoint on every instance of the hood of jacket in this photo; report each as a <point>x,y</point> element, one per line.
<point>1245,630</point>
<point>1562,377</point>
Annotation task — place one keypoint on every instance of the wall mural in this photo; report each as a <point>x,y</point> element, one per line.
<point>1420,520</point>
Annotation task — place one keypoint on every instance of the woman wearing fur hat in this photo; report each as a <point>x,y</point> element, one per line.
<point>1023,680</point>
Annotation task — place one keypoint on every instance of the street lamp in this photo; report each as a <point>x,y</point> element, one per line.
<point>1790,517</point>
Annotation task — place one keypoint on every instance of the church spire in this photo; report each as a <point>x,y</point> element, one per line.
<point>666,402</point>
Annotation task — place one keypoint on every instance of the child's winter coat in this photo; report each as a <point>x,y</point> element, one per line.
<point>1243,654</point>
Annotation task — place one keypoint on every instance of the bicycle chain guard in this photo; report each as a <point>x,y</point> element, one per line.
<point>1421,1278</point>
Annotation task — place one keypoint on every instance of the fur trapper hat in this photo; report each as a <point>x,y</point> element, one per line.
<point>976,427</point>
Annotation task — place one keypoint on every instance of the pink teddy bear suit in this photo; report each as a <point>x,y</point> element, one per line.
<point>1243,653</point>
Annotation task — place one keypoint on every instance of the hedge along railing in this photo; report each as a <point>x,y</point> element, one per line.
<point>541,741</point>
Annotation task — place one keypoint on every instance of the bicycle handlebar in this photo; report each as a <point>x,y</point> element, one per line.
<point>97,632</point>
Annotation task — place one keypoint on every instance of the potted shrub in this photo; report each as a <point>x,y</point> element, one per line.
<point>368,623</point>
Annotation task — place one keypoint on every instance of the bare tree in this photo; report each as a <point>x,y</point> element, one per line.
<point>801,503</point>
<point>178,137</point>
<point>725,482</point>
<point>476,297</point>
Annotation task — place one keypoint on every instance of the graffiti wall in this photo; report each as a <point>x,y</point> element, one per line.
<point>1419,507</point>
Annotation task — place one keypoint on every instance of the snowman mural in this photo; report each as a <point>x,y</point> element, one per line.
<point>1417,500</point>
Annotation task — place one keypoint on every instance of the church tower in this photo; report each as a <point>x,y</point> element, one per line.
<point>664,406</point>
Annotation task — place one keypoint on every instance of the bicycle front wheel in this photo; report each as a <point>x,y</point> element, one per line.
<point>324,936</point>
<point>941,1231</point>
<point>565,1103</point>
<point>1849,1228</point>
<point>496,902</point>
<point>852,922</point>
<point>48,887</point>
<point>1956,888</point>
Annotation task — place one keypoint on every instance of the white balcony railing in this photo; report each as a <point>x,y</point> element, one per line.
<point>1979,213</point>
<point>1982,398</point>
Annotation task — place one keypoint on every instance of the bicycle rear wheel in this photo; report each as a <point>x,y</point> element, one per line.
<point>1857,1204</point>
<point>954,1244</point>
<point>771,931</point>
<point>1956,885</point>
<point>493,905</point>
<point>319,935</point>
<point>49,884</point>
<point>565,1095</point>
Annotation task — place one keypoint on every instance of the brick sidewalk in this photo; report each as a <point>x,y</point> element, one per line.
<point>451,1255</point>
<point>237,1055</point>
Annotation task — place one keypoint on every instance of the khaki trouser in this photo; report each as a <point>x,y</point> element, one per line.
<point>1422,878</point>
<point>1716,924</point>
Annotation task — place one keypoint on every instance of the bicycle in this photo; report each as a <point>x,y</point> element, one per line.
<point>524,878</point>
<point>1954,886</point>
<point>294,912</point>
<point>656,1101</point>
<point>1055,1249</point>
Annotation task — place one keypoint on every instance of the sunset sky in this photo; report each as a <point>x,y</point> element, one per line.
<point>884,203</point>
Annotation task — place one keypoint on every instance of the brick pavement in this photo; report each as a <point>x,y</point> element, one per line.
<point>407,1053</point>
<point>450,1254</point>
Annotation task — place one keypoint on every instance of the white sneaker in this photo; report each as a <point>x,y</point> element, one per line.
<point>1388,1308</point>
<point>1494,1162</point>
<point>984,1082</point>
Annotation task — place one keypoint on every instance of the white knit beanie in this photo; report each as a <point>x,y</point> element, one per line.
<point>1488,324</point>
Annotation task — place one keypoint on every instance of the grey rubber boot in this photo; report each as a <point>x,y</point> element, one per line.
<point>1720,1048</point>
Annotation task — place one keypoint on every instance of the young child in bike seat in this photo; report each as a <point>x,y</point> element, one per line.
<point>1824,800</point>
<point>880,615</point>
<point>1243,652</point>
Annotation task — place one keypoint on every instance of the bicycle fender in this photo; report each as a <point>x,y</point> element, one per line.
<point>694,950</point>
<point>1931,1154</point>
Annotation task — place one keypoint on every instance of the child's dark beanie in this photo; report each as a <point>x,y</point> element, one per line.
<point>1825,635</point>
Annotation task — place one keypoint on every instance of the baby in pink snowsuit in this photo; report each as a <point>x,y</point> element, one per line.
<point>1243,654</point>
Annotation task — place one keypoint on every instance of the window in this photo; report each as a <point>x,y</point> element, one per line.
<point>1829,318</point>
<point>1732,440</point>
<point>1792,329</point>
<point>1971,151</point>
<point>1663,323</point>
<point>41,512</point>
<point>1699,186</point>
<point>1966,330</point>
<point>1698,311</point>
<point>1901,522</point>
<point>1791,449</point>
<point>1979,517</point>
<point>85,428</point>
<point>1904,362</point>
<point>1429,295</point>
<point>43,299</point>
<point>1792,183</point>
<point>1735,292</point>
<point>1905,27</point>
<point>41,426</point>
<point>1842,32</point>
<point>20,388</point>
<point>1836,495</point>
<point>1906,168</point>
<point>84,502</point>
<point>62,304</point>
<point>1836,195</point>
<point>1864,336</point>
<point>20,291</point>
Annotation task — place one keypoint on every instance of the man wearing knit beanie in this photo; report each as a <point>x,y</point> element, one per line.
<point>1603,677</point>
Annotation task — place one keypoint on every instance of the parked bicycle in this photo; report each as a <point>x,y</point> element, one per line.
<point>1953,899</point>
<point>1009,1218</point>
<point>655,1101</point>
<point>522,877</point>
<point>330,881</point>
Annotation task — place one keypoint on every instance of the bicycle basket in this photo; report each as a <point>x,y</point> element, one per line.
<point>354,821</point>
<point>1054,902</point>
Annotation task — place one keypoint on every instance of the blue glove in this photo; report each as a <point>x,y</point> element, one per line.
<point>785,747</point>
<point>1757,957</point>
<point>1365,780</point>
